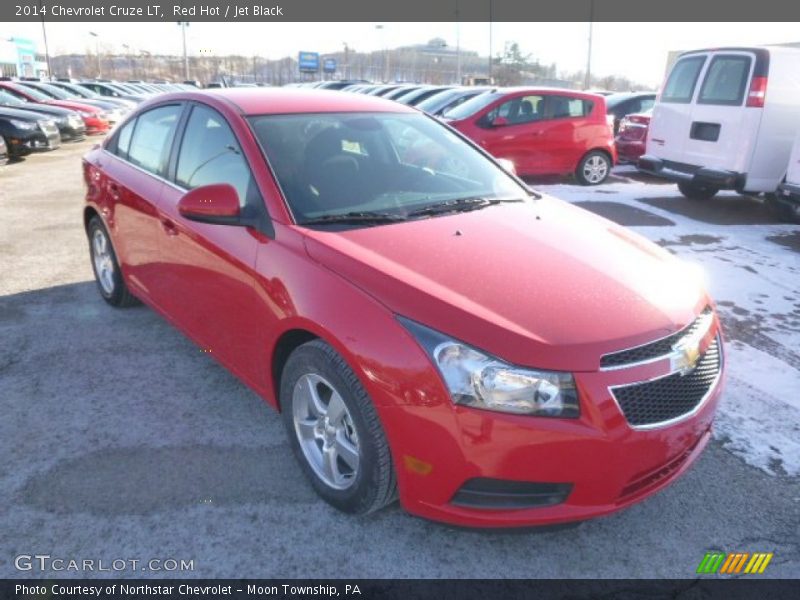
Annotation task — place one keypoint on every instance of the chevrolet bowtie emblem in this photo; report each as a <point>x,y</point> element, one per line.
<point>686,352</point>
<point>684,357</point>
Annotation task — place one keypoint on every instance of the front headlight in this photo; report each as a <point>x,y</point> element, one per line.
<point>23,124</point>
<point>479,380</point>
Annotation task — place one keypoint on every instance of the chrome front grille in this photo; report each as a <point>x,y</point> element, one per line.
<point>652,350</point>
<point>670,398</point>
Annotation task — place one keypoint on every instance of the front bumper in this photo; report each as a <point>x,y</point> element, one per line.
<point>789,193</point>
<point>96,126</point>
<point>34,141</point>
<point>72,133</point>
<point>605,463</point>
<point>692,174</point>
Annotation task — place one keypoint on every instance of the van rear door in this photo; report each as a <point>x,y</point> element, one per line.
<point>723,129</point>
<point>672,114</point>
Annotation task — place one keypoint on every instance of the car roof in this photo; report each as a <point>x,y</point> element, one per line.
<point>260,101</point>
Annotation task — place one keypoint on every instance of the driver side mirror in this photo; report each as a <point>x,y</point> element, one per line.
<point>499,122</point>
<point>214,204</point>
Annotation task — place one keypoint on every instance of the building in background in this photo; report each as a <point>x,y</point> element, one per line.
<point>19,57</point>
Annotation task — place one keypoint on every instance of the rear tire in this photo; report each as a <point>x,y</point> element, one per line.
<point>594,168</point>
<point>335,432</point>
<point>106,269</point>
<point>781,210</point>
<point>694,191</point>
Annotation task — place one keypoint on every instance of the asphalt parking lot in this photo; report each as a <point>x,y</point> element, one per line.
<point>122,440</point>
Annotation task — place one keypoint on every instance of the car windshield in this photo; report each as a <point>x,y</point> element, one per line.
<point>77,90</point>
<point>11,99</point>
<point>473,105</point>
<point>54,91</point>
<point>393,165</point>
<point>36,94</point>
<point>613,100</point>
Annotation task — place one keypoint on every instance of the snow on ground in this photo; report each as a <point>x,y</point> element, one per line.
<point>753,273</point>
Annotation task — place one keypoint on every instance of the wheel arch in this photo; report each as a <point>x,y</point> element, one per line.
<point>287,342</point>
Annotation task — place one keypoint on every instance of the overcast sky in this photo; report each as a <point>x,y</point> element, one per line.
<point>635,50</point>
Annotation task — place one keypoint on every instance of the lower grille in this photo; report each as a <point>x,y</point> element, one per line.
<point>499,494</point>
<point>668,398</point>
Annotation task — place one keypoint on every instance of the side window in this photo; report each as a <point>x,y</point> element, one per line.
<point>563,107</point>
<point>123,140</point>
<point>682,80</point>
<point>524,109</point>
<point>152,136</point>
<point>210,154</point>
<point>646,104</point>
<point>726,80</point>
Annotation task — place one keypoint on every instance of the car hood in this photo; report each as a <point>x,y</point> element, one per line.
<point>541,283</point>
<point>23,115</point>
<point>40,110</point>
<point>74,105</point>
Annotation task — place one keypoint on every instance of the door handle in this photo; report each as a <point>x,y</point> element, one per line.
<point>169,226</point>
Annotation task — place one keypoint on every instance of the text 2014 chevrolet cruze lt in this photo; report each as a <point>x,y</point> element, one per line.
<point>427,326</point>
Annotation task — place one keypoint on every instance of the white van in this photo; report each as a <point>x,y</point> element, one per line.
<point>726,119</point>
<point>786,202</point>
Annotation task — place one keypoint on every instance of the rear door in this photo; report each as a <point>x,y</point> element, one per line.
<point>672,114</point>
<point>722,132</point>
<point>566,133</point>
<point>134,170</point>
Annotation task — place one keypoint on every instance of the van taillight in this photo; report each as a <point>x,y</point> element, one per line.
<point>757,93</point>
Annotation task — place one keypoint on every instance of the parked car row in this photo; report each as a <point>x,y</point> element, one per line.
<point>729,119</point>
<point>38,115</point>
<point>537,130</point>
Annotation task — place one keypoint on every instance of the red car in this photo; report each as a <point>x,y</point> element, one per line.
<point>440,333</point>
<point>93,117</point>
<point>632,137</point>
<point>542,131</point>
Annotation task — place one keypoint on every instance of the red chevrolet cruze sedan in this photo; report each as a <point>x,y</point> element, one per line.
<point>429,329</point>
<point>543,131</point>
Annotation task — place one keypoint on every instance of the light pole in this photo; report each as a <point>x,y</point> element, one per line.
<point>385,53</point>
<point>490,41</point>
<point>346,65</point>
<point>183,25</point>
<point>127,49</point>
<point>458,46</point>
<point>588,83</point>
<point>97,52</point>
<point>46,49</point>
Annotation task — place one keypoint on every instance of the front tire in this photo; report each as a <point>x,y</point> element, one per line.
<point>782,210</point>
<point>694,191</point>
<point>335,432</point>
<point>107,273</point>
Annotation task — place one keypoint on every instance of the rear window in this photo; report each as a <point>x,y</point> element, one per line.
<point>682,79</point>
<point>726,80</point>
<point>561,107</point>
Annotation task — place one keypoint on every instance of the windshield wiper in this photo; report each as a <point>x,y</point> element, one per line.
<point>355,217</point>
<point>460,205</point>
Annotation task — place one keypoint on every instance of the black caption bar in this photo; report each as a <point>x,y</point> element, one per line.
<point>377,589</point>
<point>407,10</point>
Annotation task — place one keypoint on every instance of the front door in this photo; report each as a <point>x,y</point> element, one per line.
<point>208,270</point>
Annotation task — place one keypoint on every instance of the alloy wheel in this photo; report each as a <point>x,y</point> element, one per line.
<point>595,169</point>
<point>103,261</point>
<point>325,430</point>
